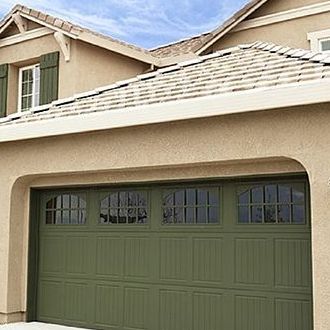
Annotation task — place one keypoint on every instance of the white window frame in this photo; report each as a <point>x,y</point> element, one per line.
<point>316,38</point>
<point>20,81</point>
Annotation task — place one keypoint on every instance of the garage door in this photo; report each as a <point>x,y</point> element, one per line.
<point>190,256</point>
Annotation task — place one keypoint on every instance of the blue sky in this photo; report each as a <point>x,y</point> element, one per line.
<point>147,23</point>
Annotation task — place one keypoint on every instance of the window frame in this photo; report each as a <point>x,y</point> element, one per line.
<point>316,38</point>
<point>20,82</point>
<point>249,186</point>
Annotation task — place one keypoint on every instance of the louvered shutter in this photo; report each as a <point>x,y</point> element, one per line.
<point>49,71</point>
<point>3,89</point>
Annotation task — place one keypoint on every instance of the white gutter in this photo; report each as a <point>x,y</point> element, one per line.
<point>260,99</point>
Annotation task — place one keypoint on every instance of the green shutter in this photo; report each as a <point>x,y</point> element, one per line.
<point>3,89</point>
<point>49,77</point>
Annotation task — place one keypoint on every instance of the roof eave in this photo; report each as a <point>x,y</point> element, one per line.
<point>284,96</point>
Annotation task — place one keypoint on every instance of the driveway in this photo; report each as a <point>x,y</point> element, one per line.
<point>34,326</point>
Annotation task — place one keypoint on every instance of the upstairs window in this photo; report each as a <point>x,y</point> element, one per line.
<point>29,87</point>
<point>320,41</point>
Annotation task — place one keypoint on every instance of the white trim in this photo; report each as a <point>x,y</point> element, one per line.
<point>65,44</point>
<point>287,15</point>
<point>3,28</point>
<point>230,26</point>
<point>20,22</point>
<point>316,37</point>
<point>28,35</point>
<point>285,96</point>
<point>20,79</point>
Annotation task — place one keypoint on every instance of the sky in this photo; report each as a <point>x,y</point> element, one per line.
<point>146,23</point>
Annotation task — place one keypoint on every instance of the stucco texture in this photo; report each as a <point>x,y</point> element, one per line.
<point>269,142</point>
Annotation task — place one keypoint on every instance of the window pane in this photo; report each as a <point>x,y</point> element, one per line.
<point>132,213</point>
<point>114,200</point>
<point>74,217</point>
<point>132,199</point>
<point>213,197</point>
<point>257,195</point>
<point>284,213</point>
<point>178,215</point>
<point>244,198</point>
<point>256,214</point>
<point>191,196</point>
<point>201,215</point>
<point>123,199</point>
<point>190,215</point>
<point>113,216</point>
<point>213,215</point>
<point>122,216</point>
<point>298,197</point>
<point>325,45</point>
<point>104,216</point>
<point>142,216</point>
<point>270,214</point>
<point>50,217</point>
<point>270,194</point>
<point>284,194</point>
<point>202,197</point>
<point>243,214</point>
<point>179,198</point>
<point>298,215</point>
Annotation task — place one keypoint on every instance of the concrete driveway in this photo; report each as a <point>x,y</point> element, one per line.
<point>34,326</point>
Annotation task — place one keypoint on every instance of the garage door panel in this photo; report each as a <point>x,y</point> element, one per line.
<point>75,300</point>
<point>137,308</point>
<point>108,305</point>
<point>251,261</point>
<point>208,260</point>
<point>175,310</point>
<point>208,311</point>
<point>137,257</point>
<point>52,254</point>
<point>174,259</point>
<point>293,314</point>
<point>110,256</point>
<point>78,248</point>
<point>252,313</point>
<point>292,263</point>
<point>50,305</point>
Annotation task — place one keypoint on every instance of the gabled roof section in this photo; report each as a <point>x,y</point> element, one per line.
<point>77,32</point>
<point>199,44</point>
<point>231,73</point>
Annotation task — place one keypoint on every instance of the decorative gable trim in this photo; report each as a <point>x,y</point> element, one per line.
<point>283,16</point>
<point>36,33</point>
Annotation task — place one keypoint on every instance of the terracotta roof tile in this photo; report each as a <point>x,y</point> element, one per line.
<point>240,69</point>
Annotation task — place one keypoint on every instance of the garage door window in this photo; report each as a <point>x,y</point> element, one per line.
<point>66,209</point>
<point>272,203</point>
<point>191,206</point>
<point>124,207</point>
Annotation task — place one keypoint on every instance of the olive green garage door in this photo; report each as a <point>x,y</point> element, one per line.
<point>232,255</point>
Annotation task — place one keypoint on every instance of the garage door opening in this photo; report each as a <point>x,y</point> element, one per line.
<point>211,255</point>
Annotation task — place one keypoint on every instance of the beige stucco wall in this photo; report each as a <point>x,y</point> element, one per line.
<point>88,68</point>
<point>291,33</point>
<point>252,143</point>
<point>276,6</point>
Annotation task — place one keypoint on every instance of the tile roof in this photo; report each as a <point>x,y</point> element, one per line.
<point>180,47</point>
<point>243,68</point>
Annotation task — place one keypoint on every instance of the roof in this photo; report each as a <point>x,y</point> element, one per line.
<point>77,32</point>
<point>243,68</point>
<point>198,44</point>
<point>180,47</point>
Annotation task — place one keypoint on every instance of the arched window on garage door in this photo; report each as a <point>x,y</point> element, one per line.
<point>66,209</point>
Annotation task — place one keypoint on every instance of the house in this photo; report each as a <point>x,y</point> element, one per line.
<point>189,190</point>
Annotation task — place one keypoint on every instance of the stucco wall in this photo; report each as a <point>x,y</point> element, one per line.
<point>272,6</point>
<point>291,33</point>
<point>254,143</point>
<point>88,68</point>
